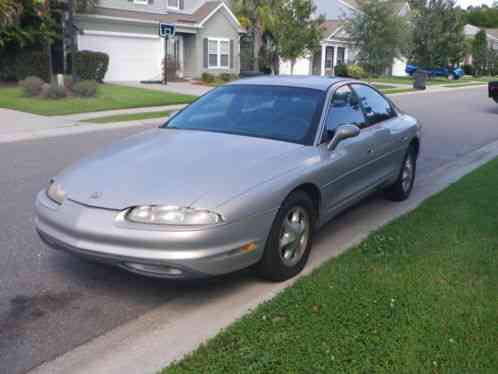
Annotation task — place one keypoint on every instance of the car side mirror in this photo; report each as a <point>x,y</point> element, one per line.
<point>343,132</point>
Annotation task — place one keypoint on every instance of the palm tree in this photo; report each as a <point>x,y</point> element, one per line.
<point>10,10</point>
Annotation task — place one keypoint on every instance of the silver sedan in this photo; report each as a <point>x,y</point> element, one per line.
<point>240,178</point>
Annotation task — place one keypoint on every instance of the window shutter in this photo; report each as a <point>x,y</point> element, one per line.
<point>182,4</point>
<point>231,54</point>
<point>206,56</point>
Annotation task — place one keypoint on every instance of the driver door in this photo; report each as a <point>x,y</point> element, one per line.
<point>345,170</point>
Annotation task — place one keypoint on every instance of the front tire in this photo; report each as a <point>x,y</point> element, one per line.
<point>402,188</point>
<point>290,240</point>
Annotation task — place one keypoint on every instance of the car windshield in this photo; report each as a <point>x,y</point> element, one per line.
<point>288,114</point>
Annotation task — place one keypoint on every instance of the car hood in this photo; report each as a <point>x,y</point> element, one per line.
<point>174,167</point>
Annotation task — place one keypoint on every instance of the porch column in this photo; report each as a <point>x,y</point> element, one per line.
<point>324,49</point>
<point>335,58</point>
<point>346,55</point>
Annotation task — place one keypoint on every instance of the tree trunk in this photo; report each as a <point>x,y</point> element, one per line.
<point>72,33</point>
<point>293,62</point>
<point>50,63</point>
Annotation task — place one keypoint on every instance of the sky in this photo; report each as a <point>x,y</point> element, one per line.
<point>465,3</point>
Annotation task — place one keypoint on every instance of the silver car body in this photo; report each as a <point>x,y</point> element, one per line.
<point>244,179</point>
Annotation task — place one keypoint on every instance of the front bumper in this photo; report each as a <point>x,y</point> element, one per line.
<point>159,251</point>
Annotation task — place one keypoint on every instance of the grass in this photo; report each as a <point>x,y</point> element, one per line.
<point>383,86</point>
<point>465,84</point>
<point>128,117</point>
<point>418,296</point>
<point>398,90</point>
<point>109,97</point>
<point>432,81</point>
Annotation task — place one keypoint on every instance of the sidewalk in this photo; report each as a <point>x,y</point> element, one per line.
<point>19,126</point>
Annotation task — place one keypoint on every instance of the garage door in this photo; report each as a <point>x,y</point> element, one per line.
<point>131,58</point>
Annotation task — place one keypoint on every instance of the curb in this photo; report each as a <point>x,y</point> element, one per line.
<point>161,336</point>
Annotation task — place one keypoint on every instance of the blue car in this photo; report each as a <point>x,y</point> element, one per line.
<point>450,73</point>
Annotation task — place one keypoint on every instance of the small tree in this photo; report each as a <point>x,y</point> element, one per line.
<point>480,52</point>
<point>293,27</point>
<point>438,38</point>
<point>379,33</point>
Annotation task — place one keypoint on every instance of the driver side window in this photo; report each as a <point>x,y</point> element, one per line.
<point>344,110</point>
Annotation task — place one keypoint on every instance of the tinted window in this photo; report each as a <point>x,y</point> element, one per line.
<point>344,110</point>
<point>282,113</point>
<point>376,108</point>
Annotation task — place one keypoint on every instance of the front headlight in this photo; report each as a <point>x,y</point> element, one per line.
<point>56,193</point>
<point>172,215</point>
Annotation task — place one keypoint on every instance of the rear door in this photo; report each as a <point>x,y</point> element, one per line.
<point>345,171</point>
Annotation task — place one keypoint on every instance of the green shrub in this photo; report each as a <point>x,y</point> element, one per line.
<point>31,63</point>
<point>341,70</point>
<point>8,64</point>
<point>228,77</point>
<point>31,86</point>
<point>91,65</point>
<point>208,78</point>
<point>68,83</point>
<point>356,71</point>
<point>85,88</point>
<point>52,91</point>
<point>468,69</point>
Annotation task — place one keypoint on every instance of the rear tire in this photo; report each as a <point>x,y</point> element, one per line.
<point>402,188</point>
<point>290,240</point>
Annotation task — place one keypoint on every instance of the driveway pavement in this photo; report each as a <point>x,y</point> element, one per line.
<point>51,302</point>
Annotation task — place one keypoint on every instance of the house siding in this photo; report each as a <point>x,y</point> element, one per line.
<point>218,26</point>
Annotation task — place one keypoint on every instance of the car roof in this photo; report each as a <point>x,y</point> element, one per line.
<point>302,81</point>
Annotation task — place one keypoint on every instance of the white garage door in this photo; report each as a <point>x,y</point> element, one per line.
<point>131,58</point>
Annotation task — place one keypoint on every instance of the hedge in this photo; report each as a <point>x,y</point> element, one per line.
<point>91,65</point>
<point>31,62</point>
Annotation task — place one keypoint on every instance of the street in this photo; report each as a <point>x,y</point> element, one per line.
<point>51,302</point>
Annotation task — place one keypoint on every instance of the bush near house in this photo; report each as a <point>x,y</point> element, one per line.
<point>469,69</point>
<point>31,62</point>
<point>31,86</point>
<point>212,79</point>
<point>208,78</point>
<point>52,91</point>
<point>85,89</point>
<point>91,65</point>
<point>350,71</point>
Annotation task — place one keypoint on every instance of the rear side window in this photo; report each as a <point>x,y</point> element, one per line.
<point>375,106</point>
<point>344,110</point>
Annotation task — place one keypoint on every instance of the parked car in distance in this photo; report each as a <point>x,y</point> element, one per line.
<point>493,90</point>
<point>450,73</point>
<point>242,177</point>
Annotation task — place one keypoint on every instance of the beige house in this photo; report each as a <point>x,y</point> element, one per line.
<point>336,47</point>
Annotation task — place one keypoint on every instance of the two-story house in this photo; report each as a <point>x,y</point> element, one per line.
<point>336,46</point>
<point>471,31</point>
<point>207,37</point>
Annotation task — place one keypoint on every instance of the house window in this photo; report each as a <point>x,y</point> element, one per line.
<point>341,55</point>
<point>218,53</point>
<point>141,2</point>
<point>329,58</point>
<point>175,4</point>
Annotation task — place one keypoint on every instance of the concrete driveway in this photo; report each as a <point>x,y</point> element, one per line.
<point>51,303</point>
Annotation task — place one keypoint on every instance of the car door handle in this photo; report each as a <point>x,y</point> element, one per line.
<point>404,139</point>
<point>370,151</point>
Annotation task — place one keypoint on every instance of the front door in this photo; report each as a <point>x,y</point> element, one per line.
<point>346,169</point>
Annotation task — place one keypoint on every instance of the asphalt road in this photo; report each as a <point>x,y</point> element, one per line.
<point>51,302</point>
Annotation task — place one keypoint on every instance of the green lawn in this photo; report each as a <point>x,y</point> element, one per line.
<point>397,90</point>
<point>109,97</point>
<point>432,81</point>
<point>418,296</point>
<point>128,117</point>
